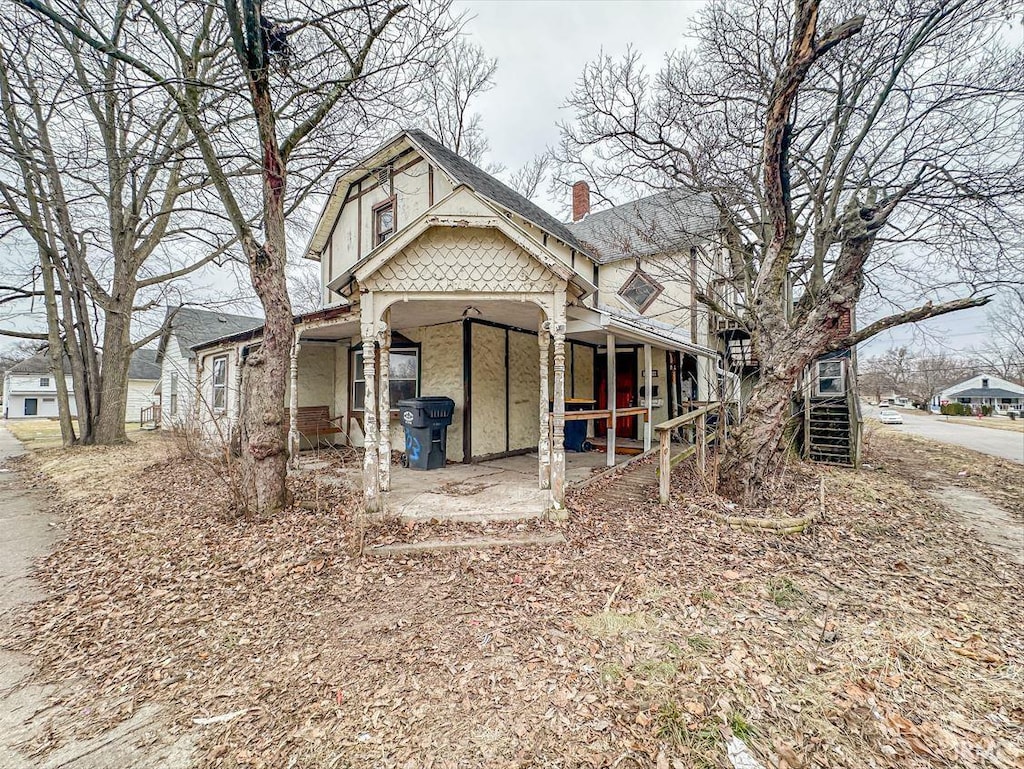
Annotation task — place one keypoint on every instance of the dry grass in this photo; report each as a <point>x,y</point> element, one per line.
<point>884,637</point>
<point>994,423</point>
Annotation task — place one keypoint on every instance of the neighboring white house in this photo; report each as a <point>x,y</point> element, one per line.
<point>983,390</point>
<point>186,327</point>
<point>30,390</point>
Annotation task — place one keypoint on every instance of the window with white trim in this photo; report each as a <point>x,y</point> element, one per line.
<point>403,375</point>
<point>174,394</point>
<point>220,383</point>
<point>830,378</point>
<point>44,381</point>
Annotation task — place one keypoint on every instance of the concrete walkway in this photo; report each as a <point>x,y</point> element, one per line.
<point>26,707</point>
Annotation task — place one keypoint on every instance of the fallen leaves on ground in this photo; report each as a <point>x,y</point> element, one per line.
<point>883,637</point>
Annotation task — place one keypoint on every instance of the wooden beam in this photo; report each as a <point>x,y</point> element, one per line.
<point>664,465</point>
<point>610,387</point>
<point>648,379</point>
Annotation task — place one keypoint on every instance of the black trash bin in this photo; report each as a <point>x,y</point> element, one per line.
<point>576,429</point>
<point>426,421</point>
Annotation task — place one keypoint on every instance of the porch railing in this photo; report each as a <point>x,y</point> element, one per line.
<point>698,419</point>
<point>150,414</point>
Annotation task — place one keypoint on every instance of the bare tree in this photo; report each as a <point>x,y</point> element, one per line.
<point>849,146</point>
<point>1003,354</point>
<point>295,89</point>
<point>528,179</point>
<point>459,77</point>
<point>98,179</point>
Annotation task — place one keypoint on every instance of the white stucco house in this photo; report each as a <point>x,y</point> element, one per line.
<point>983,390</point>
<point>440,280</point>
<point>30,390</point>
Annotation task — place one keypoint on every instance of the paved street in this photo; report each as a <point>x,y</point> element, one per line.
<point>998,443</point>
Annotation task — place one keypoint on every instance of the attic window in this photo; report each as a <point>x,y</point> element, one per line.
<point>383,221</point>
<point>640,289</point>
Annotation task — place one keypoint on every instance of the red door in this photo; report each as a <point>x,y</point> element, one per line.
<point>625,393</point>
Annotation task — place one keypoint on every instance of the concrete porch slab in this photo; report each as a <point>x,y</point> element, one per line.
<point>503,489</point>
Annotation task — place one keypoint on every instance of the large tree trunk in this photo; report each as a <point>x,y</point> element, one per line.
<point>117,354</point>
<point>758,446</point>
<point>264,441</point>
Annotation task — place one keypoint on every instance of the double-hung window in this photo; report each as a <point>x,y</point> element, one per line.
<point>44,381</point>
<point>403,375</point>
<point>174,394</point>
<point>220,383</point>
<point>383,221</point>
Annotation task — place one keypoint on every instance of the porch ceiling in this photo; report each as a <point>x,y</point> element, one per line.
<point>525,315</point>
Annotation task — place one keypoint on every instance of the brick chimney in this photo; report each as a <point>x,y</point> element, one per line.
<point>580,200</point>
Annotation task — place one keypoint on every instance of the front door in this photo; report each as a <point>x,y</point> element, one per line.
<point>625,393</point>
<point>31,407</point>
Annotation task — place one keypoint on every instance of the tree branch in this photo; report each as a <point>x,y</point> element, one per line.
<point>910,316</point>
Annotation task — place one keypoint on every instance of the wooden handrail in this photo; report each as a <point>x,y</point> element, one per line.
<point>606,414</point>
<point>688,417</point>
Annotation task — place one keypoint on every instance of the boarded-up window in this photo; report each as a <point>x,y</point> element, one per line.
<point>220,383</point>
<point>404,376</point>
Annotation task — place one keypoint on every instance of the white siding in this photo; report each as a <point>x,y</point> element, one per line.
<point>140,395</point>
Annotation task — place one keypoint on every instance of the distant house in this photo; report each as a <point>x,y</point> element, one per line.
<point>31,391</point>
<point>186,328</point>
<point>983,390</point>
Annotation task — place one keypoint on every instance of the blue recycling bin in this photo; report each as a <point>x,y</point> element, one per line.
<point>426,420</point>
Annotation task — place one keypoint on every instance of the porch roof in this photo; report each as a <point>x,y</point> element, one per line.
<point>605,320</point>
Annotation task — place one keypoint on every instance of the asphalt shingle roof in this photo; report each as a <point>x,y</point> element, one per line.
<point>666,222</point>
<point>986,392</point>
<point>483,183</point>
<point>37,364</point>
<point>192,327</point>
<point>143,365</point>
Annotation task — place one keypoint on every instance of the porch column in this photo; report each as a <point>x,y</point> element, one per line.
<point>371,479</point>
<point>384,451</point>
<point>558,427</point>
<point>544,446</point>
<point>648,378</point>
<point>610,347</point>
<point>293,404</point>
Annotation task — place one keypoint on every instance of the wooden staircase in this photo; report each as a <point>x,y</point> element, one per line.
<point>828,436</point>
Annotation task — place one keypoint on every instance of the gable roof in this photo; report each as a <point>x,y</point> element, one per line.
<point>494,190</point>
<point>191,327</point>
<point>36,364</point>
<point>459,169</point>
<point>143,364</point>
<point>666,222</point>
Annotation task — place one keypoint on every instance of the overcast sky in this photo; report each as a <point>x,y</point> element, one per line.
<point>542,47</point>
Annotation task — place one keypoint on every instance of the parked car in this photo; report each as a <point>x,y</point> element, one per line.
<point>887,417</point>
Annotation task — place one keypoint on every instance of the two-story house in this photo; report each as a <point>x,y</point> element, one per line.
<point>438,279</point>
<point>30,390</point>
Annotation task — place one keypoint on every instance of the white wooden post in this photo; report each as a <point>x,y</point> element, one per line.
<point>293,404</point>
<point>558,428</point>
<point>371,478</point>
<point>648,378</point>
<point>384,386</point>
<point>544,445</point>
<point>610,346</point>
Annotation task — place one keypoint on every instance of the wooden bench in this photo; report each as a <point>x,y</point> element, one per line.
<point>314,423</point>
